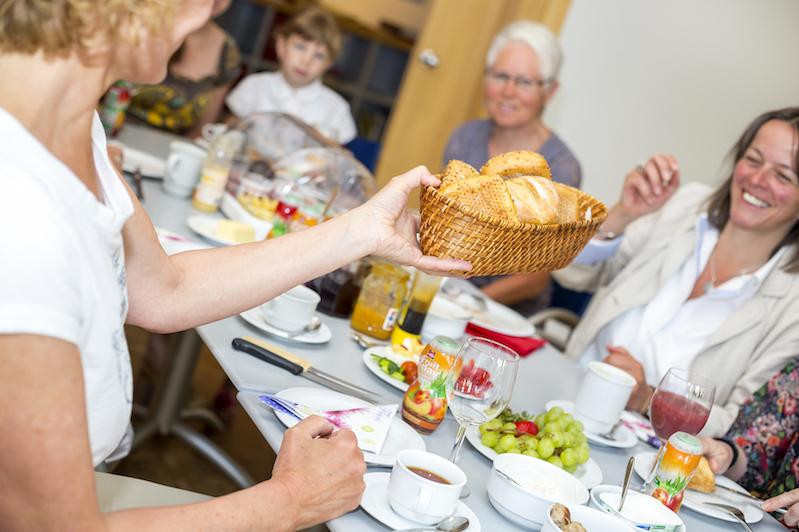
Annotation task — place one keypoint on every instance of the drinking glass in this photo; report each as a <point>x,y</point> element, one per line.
<point>484,387</point>
<point>681,402</point>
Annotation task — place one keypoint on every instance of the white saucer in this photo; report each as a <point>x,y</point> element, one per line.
<point>588,473</point>
<point>624,437</point>
<point>132,159</point>
<point>319,336</point>
<point>375,503</point>
<point>694,500</point>
<point>205,226</point>
<point>400,435</point>
<point>371,365</point>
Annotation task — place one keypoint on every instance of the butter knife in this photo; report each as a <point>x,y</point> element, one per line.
<point>297,366</point>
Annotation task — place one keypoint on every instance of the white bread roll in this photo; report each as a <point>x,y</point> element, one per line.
<point>535,198</point>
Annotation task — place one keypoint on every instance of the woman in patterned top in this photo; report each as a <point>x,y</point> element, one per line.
<point>199,76</point>
<point>761,449</point>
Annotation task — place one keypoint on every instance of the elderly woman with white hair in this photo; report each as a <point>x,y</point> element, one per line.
<point>522,67</point>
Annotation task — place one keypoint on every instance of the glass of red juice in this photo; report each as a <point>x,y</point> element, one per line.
<point>681,403</point>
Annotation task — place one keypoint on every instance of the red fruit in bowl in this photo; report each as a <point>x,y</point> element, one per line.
<point>526,427</point>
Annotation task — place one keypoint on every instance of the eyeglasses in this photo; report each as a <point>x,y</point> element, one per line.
<point>520,82</point>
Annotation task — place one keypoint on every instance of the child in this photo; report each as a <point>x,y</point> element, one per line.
<point>307,46</point>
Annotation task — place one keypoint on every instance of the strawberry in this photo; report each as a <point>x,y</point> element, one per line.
<point>526,427</point>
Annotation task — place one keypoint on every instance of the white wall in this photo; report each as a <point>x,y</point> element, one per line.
<point>681,76</point>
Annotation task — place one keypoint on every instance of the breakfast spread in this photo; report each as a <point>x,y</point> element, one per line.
<point>561,516</point>
<point>516,186</point>
<point>554,436</point>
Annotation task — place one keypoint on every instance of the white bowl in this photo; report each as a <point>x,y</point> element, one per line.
<point>444,318</point>
<point>518,502</point>
<point>640,510</point>
<point>591,519</point>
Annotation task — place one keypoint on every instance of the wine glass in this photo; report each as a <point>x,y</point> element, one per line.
<point>681,402</point>
<point>484,387</point>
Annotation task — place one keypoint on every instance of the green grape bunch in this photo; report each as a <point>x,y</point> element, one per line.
<point>554,436</point>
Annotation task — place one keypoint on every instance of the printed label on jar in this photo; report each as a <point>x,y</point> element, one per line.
<point>391,319</point>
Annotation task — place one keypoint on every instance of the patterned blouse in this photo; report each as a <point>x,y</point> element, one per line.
<point>177,103</point>
<point>767,429</point>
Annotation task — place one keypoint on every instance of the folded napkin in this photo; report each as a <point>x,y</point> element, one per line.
<point>524,345</point>
<point>370,423</point>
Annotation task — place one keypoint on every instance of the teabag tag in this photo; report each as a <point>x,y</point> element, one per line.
<point>370,424</point>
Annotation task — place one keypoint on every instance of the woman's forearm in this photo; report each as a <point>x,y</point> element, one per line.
<point>515,288</point>
<point>208,285</point>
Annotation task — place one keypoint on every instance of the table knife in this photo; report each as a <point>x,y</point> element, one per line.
<point>747,495</point>
<point>297,366</point>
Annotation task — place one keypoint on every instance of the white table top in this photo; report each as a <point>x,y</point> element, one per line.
<point>543,376</point>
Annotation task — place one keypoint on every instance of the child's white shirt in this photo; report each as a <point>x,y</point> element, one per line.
<point>315,104</point>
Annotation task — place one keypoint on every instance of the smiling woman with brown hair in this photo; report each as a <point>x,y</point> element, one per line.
<point>81,258</point>
<point>699,279</point>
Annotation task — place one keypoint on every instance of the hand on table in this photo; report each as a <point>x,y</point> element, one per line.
<point>789,500</point>
<point>649,186</point>
<point>622,359</point>
<point>393,228</point>
<point>322,470</point>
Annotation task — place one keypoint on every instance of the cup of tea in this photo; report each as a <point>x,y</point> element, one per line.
<point>291,311</point>
<point>183,168</point>
<point>602,397</point>
<point>424,487</point>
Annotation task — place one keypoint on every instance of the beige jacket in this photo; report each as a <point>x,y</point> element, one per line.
<point>752,344</point>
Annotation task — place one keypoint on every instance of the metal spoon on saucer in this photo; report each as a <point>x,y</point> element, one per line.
<point>453,523</point>
<point>626,484</point>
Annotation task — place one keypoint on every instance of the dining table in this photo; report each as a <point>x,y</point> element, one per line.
<point>543,376</point>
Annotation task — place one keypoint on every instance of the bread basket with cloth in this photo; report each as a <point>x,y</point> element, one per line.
<point>511,217</point>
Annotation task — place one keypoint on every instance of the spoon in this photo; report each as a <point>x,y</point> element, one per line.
<point>626,484</point>
<point>363,342</point>
<point>609,434</point>
<point>313,325</point>
<point>453,523</point>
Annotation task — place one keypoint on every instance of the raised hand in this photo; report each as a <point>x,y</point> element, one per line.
<point>647,187</point>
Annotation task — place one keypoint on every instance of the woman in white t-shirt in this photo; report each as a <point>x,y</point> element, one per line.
<point>81,258</point>
<point>306,46</point>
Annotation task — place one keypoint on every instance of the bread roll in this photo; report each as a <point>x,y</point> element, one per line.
<point>484,194</point>
<point>535,198</point>
<point>703,480</point>
<point>516,164</point>
<point>568,210</point>
<point>456,171</point>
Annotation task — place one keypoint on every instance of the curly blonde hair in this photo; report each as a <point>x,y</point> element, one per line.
<point>58,27</point>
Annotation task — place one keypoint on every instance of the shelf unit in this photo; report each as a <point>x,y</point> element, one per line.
<point>367,72</point>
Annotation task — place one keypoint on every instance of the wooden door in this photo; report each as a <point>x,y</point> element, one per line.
<point>434,100</point>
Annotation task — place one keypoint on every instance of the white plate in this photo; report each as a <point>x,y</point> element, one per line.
<point>319,336</point>
<point>624,437</point>
<point>400,436</point>
<point>371,365</point>
<point>375,502</point>
<point>694,499</point>
<point>133,159</point>
<point>205,226</point>
<point>588,473</point>
<point>503,320</point>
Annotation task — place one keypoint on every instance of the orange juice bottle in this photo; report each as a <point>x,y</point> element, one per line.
<point>425,403</point>
<point>677,465</point>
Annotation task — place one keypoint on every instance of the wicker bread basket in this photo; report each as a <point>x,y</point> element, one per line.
<point>495,246</point>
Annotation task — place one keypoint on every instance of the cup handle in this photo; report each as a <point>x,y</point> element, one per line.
<point>424,498</point>
<point>172,163</point>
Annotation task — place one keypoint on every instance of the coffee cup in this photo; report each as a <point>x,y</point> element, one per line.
<point>183,168</point>
<point>292,310</point>
<point>416,490</point>
<point>602,397</point>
